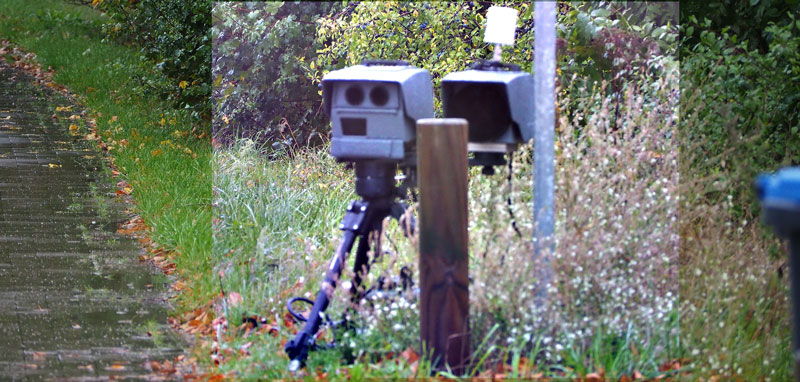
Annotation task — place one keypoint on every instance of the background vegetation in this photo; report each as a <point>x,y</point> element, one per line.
<point>269,58</point>
<point>738,117</point>
<point>739,70</point>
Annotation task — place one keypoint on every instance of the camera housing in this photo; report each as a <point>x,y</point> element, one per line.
<point>373,108</point>
<point>497,101</point>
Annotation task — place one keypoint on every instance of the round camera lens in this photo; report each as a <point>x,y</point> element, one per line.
<point>354,95</point>
<point>379,96</point>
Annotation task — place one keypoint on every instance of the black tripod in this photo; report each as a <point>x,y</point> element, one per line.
<point>375,184</point>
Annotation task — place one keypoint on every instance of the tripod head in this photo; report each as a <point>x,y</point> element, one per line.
<point>377,179</point>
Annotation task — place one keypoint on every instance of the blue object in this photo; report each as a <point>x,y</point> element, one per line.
<point>781,188</point>
<point>780,202</point>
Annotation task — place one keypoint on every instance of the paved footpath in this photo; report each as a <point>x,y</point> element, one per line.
<point>75,303</point>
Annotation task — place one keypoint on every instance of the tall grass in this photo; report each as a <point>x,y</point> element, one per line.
<point>274,220</point>
<point>612,299</point>
<point>734,274</point>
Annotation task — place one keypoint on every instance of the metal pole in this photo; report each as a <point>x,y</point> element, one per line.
<point>543,155</point>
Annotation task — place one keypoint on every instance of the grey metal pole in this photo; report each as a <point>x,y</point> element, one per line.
<point>545,114</point>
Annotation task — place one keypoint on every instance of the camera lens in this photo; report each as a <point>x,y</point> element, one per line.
<point>379,96</point>
<point>354,95</point>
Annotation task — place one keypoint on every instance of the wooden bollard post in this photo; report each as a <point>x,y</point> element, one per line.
<point>443,250</point>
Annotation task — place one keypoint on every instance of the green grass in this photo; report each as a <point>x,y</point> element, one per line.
<point>272,218</point>
<point>258,200</point>
<point>166,163</point>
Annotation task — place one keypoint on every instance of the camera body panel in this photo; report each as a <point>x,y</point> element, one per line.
<point>498,105</point>
<point>373,110</point>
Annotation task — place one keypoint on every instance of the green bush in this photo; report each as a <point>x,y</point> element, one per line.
<point>746,19</point>
<point>270,58</point>
<point>261,89</point>
<point>748,119</point>
<point>175,40</point>
<point>596,41</point>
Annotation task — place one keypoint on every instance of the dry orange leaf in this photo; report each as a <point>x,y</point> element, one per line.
<point>409,355</point>
<point>234,298</point>
<point>593,377</point>
<point>179,286</point>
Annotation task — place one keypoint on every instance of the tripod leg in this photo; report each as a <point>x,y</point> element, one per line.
<point>361,267</point>
<point>298,348</point>
<point>398,211</point>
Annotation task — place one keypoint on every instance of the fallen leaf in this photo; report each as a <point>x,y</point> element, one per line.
<point>154,365</point>
<point>53,165</point>
<point>409,355</point>
<point>593,377</point>
<point>671,365</point>
<point>234,298</point>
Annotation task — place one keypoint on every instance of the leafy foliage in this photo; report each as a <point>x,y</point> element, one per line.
<point>266,68</point>
<point>596,43</point>
<point>746,19</point>
<point>174,35</point>
<point>261,52</point>
<point>748,102</point>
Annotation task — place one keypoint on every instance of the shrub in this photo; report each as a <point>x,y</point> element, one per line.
<point>261,52</point>
<point>270,58</point>
<point>174,36</point>
<point>749,105</point>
